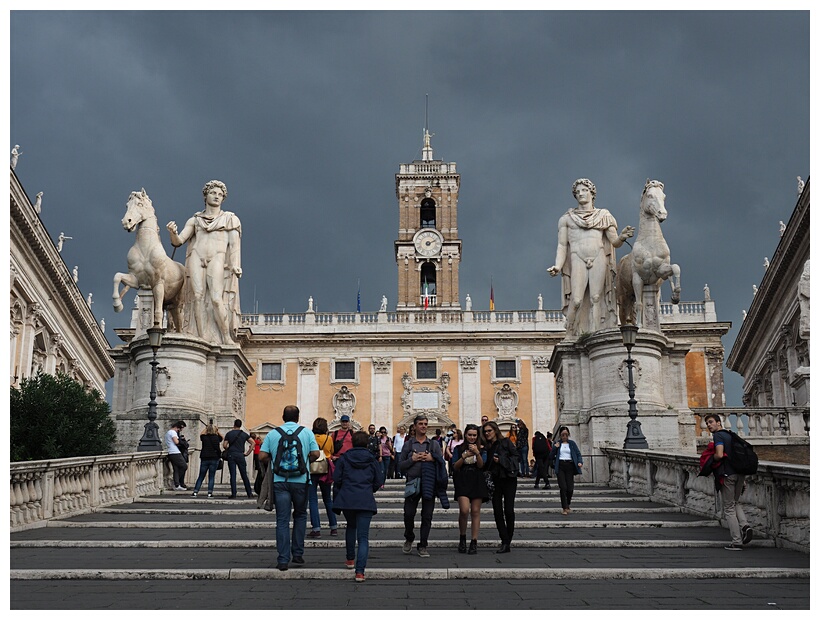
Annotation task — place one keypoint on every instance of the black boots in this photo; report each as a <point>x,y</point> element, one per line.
<point>462,543</point>
<point>504,548</point>
<point>473,547</point>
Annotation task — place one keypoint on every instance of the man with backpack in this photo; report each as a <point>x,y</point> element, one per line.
<point>290,449</point>
<point>732,482</point>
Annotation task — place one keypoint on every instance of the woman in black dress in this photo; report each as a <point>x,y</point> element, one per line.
<point>471,489</point>
<point>502,463</point>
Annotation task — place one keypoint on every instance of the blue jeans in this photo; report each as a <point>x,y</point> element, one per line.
<point>207,466</point>
<point>358,530</point>
<point>523,462</point>
<point>385,467</point>
<point>285,495</point>
<point>237,459</point>
<point>327,500</point>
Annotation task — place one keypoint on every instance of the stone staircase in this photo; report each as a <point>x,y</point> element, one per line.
<point>609,536</point>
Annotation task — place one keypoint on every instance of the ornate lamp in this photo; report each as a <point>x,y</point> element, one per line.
<point>634,435</point>
<point>150,441</point>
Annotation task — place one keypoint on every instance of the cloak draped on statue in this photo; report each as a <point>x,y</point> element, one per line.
<point>596,219</point>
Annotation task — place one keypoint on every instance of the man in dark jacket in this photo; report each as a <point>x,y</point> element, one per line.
<point>732,487</point>
<point>540,452</point>
<point>417,450</point>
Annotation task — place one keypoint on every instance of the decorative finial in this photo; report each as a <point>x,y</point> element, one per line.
<point>782,228</point>
<point>765,262</point>
<point>75,273</point>
<point>800,185</point>
<point>754,290</point>
<point>744,315</point>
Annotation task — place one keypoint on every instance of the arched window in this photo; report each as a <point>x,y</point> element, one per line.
<point>427,284</point>
<point>428,213</point>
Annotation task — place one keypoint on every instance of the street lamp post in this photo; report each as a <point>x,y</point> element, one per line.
<point>150,441</point>
<point>634,435</point>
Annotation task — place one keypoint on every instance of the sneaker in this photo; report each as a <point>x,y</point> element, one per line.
<point>423,553</point>
<point>314,534</point>
<point>193,494</point>
<point>747,534</point>
<point>298,559</point>
<point>178,488</point>
<point>210,495</point>
<point>334,532</point>
<point>359,577</point>
<point>407,547</point>
<point>733,547</point>
<point>350,563</point>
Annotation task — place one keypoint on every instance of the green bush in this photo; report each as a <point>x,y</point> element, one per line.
<point>55,418</point>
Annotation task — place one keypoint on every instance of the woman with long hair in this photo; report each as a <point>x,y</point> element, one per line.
<point>502,463</point>
<point>325,442</point>
<point>470,487</point>
<point>566,459</point>
<point>209,457</point>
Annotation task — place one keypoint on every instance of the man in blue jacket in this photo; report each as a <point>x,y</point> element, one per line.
<point>290,491</point>
<point>417,450</point>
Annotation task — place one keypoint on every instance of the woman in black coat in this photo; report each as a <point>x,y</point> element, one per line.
<point>502,464</point>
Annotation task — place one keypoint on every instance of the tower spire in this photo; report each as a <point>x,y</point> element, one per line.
<point>427,150</point>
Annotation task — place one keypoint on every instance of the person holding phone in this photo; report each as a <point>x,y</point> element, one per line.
<point>471,488</point>
<point>502,463</point>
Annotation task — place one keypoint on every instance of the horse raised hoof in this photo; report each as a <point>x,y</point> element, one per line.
<point>117,304</point>
<point>676,296</point>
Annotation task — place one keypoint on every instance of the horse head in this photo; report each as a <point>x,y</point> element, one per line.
<point>138,209</point>
<point>652,200</point>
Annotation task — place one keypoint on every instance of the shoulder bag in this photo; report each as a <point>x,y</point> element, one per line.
<point>319,466</point>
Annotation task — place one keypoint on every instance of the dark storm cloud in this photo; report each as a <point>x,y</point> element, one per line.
<point>306,117</point>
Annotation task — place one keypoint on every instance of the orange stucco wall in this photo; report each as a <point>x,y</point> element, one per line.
<point>696,379</point>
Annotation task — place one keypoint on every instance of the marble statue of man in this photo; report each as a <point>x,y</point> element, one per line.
<point>587,238</point>
<point>310,303</point>
<point>800,185</point>
<point>540,302</point>
<point>38,203</point>
<point>707,296</point>
<point>15,154</point>
<point>60,240</point>
<point>782,228</point>
<point>75,273</point>
<point>214,266</point>
<point>804,298</point>
<point>383,307</point>
<point>468,303</point>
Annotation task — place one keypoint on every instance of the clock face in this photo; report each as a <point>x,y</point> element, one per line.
<point>428,242</point>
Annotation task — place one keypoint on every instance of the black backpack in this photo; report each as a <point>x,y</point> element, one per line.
<point>290,459</point>
<point>742,456</point>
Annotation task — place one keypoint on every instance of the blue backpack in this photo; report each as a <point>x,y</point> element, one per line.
<point>290,458</point>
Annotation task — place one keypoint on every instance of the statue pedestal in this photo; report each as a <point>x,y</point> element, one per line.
<point>196,381</point>
<point>592,390</point>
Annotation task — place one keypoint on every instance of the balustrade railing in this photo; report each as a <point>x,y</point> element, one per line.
<point>776,499</point>
<point>758,421</point>
<point>42,490</point>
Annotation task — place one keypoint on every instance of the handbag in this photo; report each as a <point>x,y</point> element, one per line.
<point>488,478</point>
<point>224,454</point>
<point>328,477</point>
<point>319,466</point>
<point>412,488</point>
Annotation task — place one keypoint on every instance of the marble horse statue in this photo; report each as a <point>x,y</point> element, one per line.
<point>649,262</point>
<point>148,265</point>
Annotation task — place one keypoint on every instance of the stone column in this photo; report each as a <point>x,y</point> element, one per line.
<point>469,392</point>
<point>543,396</point>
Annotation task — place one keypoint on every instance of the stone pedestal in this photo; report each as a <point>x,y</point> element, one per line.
<point>592,392</point>
<point>196,381</point>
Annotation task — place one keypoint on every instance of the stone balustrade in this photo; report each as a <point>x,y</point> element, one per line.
<point>59,488</point>
<point>758,422</point>
<point>776,500</point>
<point>453,320</point>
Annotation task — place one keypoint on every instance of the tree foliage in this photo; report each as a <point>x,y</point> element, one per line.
<point>55,417</point>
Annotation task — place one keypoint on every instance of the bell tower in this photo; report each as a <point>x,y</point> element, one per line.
<point>428,250</point>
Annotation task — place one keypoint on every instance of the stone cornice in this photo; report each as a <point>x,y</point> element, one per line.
<point>38,241</point>
<point>779,280</point>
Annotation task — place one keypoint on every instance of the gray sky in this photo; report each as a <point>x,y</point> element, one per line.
<point>307,116</point>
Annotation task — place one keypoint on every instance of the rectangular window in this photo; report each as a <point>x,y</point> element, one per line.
<point>272,371</point>
<point>505,369</point>
<point>426,370</point>
<point>345,371</point>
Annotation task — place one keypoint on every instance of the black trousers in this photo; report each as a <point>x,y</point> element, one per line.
<point>542,468</point>
<point>504,507</point>
<point>411,504</point>
<point>566,481</point>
